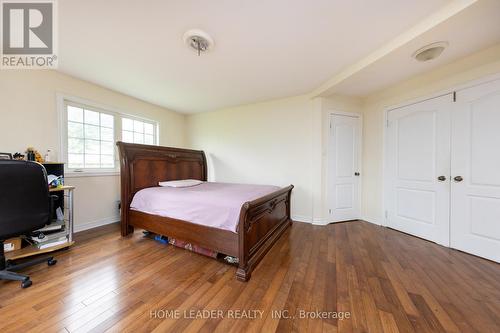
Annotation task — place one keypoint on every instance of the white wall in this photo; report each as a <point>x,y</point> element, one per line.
<point>278,142</point>
<point>285,141</point>
<point>475,66</point>
<point>28,117</point>
<point>264,143</point>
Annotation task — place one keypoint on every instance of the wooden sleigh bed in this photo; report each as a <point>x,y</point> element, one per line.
<point>261,221</point>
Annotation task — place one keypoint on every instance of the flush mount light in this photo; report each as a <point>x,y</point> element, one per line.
<point>198,40</point>
<point>431,51</point>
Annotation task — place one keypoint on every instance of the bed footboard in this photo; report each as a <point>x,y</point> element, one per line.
<point>262,222</point>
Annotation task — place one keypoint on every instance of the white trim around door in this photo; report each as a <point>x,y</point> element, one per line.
<point>441,162</point>
<point>418,169</point>
<point>344,166</point>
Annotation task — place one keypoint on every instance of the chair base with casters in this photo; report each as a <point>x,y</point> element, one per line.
<point>8,270</point>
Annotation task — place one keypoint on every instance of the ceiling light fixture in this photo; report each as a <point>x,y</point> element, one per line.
<point>198,40</point>
<point>431,51</point>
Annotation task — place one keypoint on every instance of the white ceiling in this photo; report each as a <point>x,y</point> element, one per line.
<point>474,29</point>
<point>263,49</point>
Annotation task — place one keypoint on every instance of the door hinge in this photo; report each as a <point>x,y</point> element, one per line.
<point>454,96</point>
<point>386,214</point>
<point>387,123</point>
<point>330,211</point>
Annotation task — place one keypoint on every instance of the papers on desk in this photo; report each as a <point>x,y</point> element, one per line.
<point>56,242</point>
<point>55,225</point>
<point>52,234</point>
<point>44,237</point>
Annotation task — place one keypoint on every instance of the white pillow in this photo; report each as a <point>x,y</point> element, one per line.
<point>181,183</point>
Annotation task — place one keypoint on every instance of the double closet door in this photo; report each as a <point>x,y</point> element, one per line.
<point>443,170</point>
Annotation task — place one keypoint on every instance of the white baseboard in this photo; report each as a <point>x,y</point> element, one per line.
<point>320,221</point>
<point>301,218</point>
<point>374,220</point>
<point>297,218</point>
<point>95,224</point>
<point>312,220</point>
<point>325,221</point>
<point>308,219</point>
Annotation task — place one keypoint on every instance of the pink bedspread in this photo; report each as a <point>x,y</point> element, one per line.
<point>212,204</point>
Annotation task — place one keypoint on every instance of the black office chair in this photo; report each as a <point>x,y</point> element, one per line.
<point>25,205</point>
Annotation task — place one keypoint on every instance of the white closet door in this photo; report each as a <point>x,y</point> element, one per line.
<point>417,169</point>
<point>475,213</point>
<point>344,167</point>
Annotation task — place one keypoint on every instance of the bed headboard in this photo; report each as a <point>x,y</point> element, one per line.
<point>144,166</point>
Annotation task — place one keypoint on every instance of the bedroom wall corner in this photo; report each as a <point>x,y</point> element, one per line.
<point>28,113</point>
<point>276,142</point>
<point>262,143</point>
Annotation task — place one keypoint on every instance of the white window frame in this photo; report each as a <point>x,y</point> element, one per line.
<point>62,101</point>
<point>155,137</point>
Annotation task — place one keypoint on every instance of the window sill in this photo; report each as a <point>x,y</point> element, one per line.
<point>91,174</point>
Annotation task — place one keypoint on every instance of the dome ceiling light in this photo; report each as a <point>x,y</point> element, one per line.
<point>198,41</point>
<point>430,52</point>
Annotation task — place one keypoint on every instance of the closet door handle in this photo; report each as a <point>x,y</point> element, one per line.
<point>441,178</point>
<point>356,174</point>
<point>458,179</point>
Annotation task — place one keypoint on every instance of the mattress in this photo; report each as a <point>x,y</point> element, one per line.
<point>210,204</point>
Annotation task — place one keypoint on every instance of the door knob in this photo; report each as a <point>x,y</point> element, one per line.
<point>441,178</point>
<point>458,179</point>
<point>356,174</point>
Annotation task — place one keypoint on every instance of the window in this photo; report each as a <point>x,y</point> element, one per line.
<point>89,134</point>
<point>136,131</point>
<point>91,139</point>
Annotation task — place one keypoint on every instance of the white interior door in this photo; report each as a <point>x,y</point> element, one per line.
<point>345,149</point>
<point>475,213</point>
<point>417,169</point>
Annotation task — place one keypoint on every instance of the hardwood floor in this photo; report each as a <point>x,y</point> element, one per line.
<point>377,278</point>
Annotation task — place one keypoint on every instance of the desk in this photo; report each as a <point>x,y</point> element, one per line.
<point>32,250</point>
<point>69,220</point>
